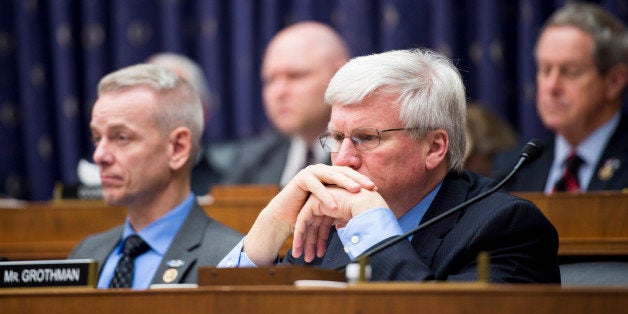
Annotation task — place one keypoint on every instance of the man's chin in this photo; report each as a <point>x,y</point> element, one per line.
<point>553,124</point>
<point>287,129</point>
<point>112,199</point>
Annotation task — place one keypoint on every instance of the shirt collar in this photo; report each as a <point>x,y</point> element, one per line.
<point>160,233</point>
<point>591,148</point>
<point>411,219</point>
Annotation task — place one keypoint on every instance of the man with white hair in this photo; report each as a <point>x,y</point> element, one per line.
<point>397,140</point>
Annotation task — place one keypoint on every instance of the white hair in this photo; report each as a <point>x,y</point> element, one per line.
<point>430,90</point>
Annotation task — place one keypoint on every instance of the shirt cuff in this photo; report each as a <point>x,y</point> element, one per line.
<point>367,229</point>
<point>236,258</point>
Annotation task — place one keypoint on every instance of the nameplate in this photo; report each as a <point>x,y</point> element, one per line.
<point>49,273</point>
<point>274,275</point>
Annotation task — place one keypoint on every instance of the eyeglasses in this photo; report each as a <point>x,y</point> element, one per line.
<point>362,139</point>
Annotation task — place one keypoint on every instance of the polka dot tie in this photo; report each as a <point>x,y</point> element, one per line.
<point>123,275</point>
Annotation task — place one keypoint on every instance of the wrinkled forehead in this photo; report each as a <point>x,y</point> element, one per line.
<point>379,111</point>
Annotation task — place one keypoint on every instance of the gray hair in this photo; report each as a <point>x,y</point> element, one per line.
<point>430,89</point>
<point>610,38</point>
<point>188,69</point>
<point>180,105</point>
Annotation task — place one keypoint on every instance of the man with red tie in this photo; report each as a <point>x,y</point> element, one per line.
<point>582,72</point>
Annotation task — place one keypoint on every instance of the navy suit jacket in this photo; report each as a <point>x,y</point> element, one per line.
<point>201,241</point>
<point>613,161</point>
<point>522,243</point>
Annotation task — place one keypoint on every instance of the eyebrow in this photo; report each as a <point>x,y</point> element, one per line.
<point>113,127</point>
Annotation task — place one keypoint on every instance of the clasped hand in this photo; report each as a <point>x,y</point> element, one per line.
<point>318,197</point>
<point>331,203</point>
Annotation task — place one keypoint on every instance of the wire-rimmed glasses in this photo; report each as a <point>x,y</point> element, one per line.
<point>362,138</point>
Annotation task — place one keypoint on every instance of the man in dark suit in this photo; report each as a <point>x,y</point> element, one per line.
<point>146,125</point>
<point>298,63</point>
<point>397,141</point>
<point>582,72</point>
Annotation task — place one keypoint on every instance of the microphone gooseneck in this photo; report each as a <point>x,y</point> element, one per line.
<point>530,152</point>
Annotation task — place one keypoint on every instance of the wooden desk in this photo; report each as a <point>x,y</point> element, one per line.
<point>238,206</point>
<point>361,298</point>
<point>49,230</point>
<point>588,224</point>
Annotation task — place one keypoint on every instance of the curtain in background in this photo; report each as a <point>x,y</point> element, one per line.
<point>53,52</point>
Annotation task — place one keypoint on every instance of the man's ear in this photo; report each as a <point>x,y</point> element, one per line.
<point>437,146</point>
<point>180,141</point>
<point>616,80</point>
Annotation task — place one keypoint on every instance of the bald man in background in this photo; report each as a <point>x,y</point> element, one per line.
<point>298,64</point>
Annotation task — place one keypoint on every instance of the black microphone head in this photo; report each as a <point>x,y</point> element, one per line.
<point>532,150</point>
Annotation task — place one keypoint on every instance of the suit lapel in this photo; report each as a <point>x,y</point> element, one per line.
<point>427,241</point>
<point>180,257</point>
<point>613,163</point>
<point>107,244</point>
<point>534,176</point>
<point>273,157</point>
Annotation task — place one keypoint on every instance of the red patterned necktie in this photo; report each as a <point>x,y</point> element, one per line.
<point>569,180</point>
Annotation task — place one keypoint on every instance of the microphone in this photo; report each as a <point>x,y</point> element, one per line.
<point>530,152</point>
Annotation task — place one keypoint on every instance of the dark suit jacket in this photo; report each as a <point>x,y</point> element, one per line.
<point>204,174</point>
<point>257,160</point>
<point>523,244</point>
<point>201,241</point>
<point>534,176</point>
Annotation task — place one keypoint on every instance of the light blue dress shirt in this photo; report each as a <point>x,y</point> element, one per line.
<point>159,235</point>
<point>358,235</point>
<point>590,150</point>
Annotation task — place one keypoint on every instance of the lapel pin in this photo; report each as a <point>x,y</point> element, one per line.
<point>175,263</point>
<point>608,169</point>
<point>170,275</point>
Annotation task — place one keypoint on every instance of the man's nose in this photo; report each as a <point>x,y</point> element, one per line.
<point>101,153</point>
<point>551,81</point>
<point>347,155</point>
